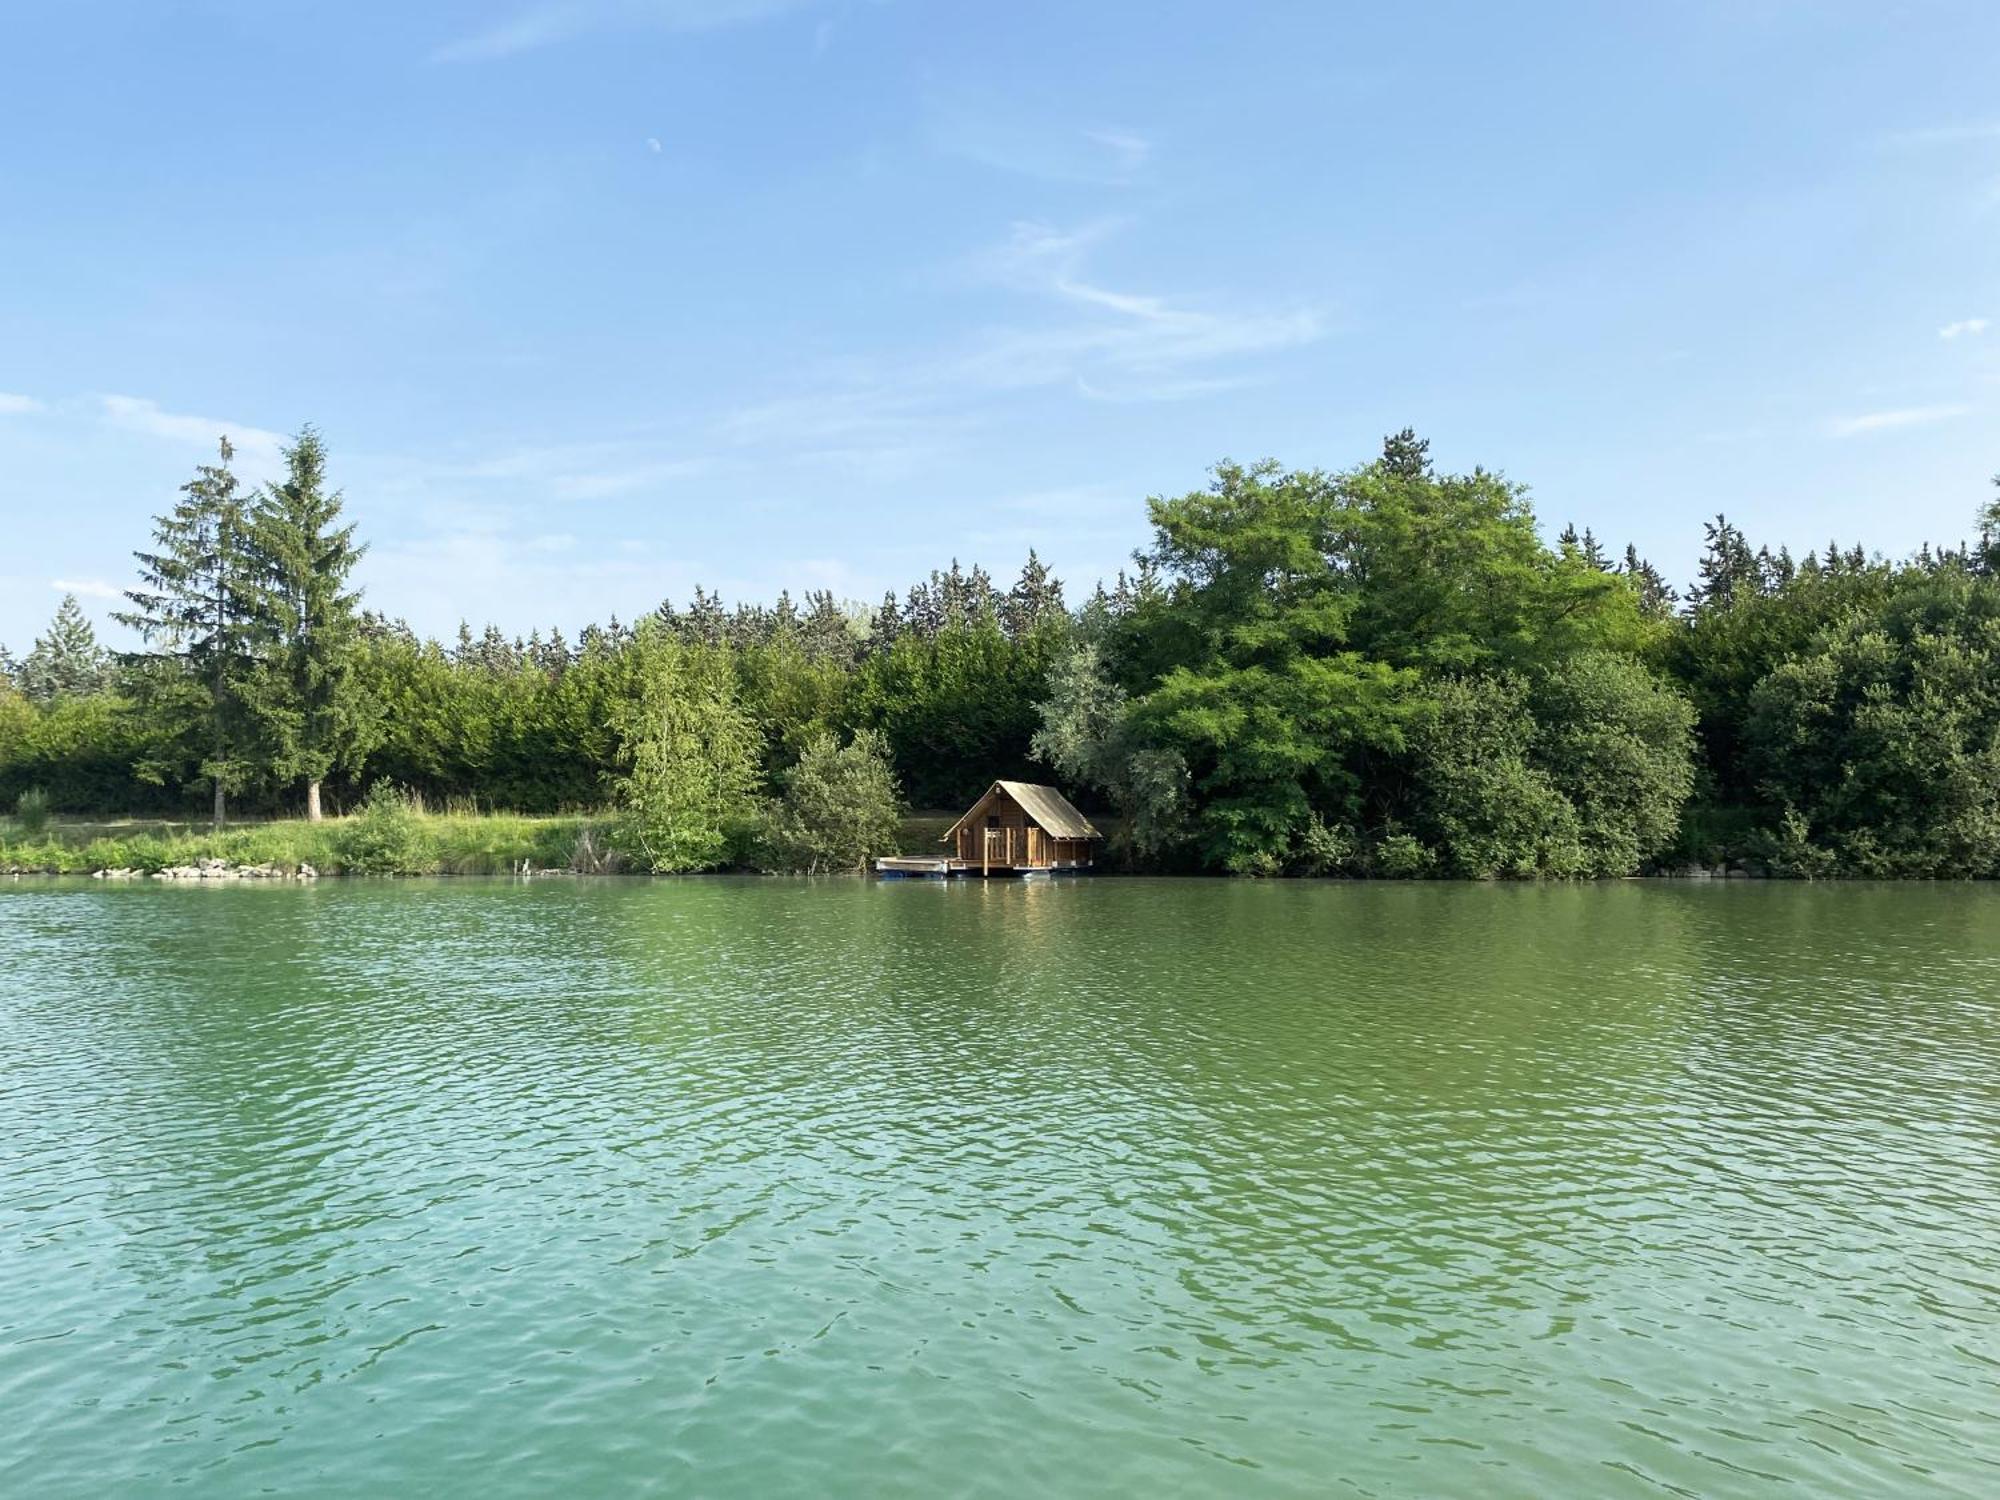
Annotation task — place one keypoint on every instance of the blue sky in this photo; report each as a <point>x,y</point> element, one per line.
<point>596,299</point>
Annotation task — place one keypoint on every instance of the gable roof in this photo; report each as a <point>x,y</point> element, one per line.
<point>1048,808</point>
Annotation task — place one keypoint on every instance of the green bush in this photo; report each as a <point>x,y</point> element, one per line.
<point>840,807</point>
<point>387,837</point>
<point>1403,856</point>
<point>31,811</point>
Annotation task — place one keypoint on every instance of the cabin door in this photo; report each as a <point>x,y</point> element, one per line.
<point>996,847</point>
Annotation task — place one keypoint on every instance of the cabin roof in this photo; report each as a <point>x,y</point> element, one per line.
<point>1048,808</point>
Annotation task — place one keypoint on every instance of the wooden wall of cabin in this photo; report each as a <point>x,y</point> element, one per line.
<point>972,837</point>
<point>1032,845</point>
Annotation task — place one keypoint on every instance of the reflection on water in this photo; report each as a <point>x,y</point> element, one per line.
<point>1077,1187</point>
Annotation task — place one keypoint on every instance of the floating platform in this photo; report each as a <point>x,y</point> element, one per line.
<point>941,867</point>
<point>913,867</point>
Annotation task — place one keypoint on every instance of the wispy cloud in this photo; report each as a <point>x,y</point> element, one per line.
<point>1963,328</point>
<point>12,405</point>
<point>1127,149</point>
<point>1001,135</point>
<point>547,24</point>
<point>578,471</point>
<point>1067,501</point>
<point>604,483</point>
<point>1885,421</point>
<point>1116,333</point>
<point>86,588</point>
<point>1161,390</point>
<point>258,447</point>
<point>1947,135</point>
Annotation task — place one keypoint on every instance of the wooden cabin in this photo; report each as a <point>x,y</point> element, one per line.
<point>1018,826</point>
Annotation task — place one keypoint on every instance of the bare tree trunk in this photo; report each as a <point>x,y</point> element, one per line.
<point>220,811</point>
<point>313,813</point>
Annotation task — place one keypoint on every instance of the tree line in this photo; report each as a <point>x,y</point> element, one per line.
<point>1383,671</point>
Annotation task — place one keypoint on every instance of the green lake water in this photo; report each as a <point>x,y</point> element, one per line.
<point>1112,1187</point>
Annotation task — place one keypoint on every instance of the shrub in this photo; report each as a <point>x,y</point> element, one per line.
<point>839,808</point>
<point>31,811</point>
<point>387,837</point>
<point>1789,849</point>
<point>1402,856</point>
<point>1322,848</point>
<point>690,752</point>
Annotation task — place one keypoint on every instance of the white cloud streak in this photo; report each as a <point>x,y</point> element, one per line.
<point>257,447</point>
<point>86,588</point>
<point>1887,421</point>
<point>1117,333</point>
<point>1963,328</point>
<point>996,132</point>
<point>560,21</point>
<point>12,405</point>
<point>1948,135</point>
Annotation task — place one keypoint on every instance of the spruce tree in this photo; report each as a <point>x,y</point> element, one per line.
<point>1036,597</point>
<point>199,611</point>
<point>66,661</point>
<point>1406,455</point>
<point>888,623</point>
<point>315,712</point>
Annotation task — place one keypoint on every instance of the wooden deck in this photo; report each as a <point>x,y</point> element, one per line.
<point>941,867</point>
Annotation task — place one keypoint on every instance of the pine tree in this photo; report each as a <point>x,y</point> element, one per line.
<point>828,632</point>
<point>1987,558</point>
<point>888,623</point>
<point>66,661</point>
<point>706,622</point>
<point>315,711</point>
<point>1655,597</point>
<point>1406,455</point>
<point>1729,569</point>
<point>1036,597</point>
<point>199,610</point>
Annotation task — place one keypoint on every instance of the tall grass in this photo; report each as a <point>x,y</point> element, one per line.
<point>31,811</point>
<point>444,844</point>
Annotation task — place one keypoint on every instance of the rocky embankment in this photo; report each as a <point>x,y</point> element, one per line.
<point>211,869</point>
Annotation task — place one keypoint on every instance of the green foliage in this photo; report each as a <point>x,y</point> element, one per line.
<point>1884,738</point>
<point>1323,850</point>
<point>1089,738</point>
<point>199,611</point>
<point>388,836</point>
<point>461,844</point>
<point>690,759</point>
<point>1488,807</point>
<point>31,812</point>
<point>1617,743</point>
<point>957,707</point>
<point>1331,650</point>
<point>1383,671</point>
<point>311,705</point>
<point>1789,849</point>
<point>1402,856</point>
<point>66,661</point>
<point>840,807</point>
<point>1266,747</point>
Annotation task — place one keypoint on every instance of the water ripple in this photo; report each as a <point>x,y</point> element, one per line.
<point>755,1187</point>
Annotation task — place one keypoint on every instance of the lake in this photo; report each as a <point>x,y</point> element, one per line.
<point>749,1188</point>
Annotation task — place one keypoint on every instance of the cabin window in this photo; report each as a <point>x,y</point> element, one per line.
<point>993,820</point>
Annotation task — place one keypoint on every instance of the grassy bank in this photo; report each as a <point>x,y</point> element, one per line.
<point>436,844</point>
<point>445,844</point>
